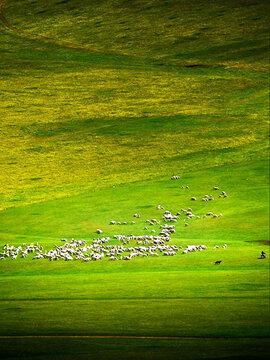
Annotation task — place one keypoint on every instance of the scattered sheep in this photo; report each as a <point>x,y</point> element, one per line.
<point>99,248</point>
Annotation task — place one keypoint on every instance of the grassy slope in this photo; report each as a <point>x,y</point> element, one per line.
<point>160,122</point>
<point>76,121</point>
<point>173,29</point>
<point>60,139</point>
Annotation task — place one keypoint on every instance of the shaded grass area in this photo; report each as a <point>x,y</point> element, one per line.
<point>134,349</point>
<point>187,30</point>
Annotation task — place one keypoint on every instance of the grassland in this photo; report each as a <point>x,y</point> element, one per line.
<point>101,102</point>
<point>58,104</point>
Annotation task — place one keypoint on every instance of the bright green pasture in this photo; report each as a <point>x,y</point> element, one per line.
<point>162,298</point>
<point>185,295</point>
<point>245,210</point>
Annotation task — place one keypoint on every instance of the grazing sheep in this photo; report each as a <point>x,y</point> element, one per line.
<point>140,246</point>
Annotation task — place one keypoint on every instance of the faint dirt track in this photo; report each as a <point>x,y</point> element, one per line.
<point>130,337</point>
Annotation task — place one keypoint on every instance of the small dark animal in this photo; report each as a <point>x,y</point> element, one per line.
<point>217,262</point>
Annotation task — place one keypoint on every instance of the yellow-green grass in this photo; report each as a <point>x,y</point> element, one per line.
<point>93,136</point>
<point>73,120</point>
<point>69,131</point>
<point>179,30</point>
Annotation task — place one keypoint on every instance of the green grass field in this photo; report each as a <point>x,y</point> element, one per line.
<point>101,103</point>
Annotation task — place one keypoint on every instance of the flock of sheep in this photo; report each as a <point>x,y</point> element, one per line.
<point>146,245</point>
<point>126,247</point>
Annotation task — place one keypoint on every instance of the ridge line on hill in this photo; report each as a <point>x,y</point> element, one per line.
<point>43,38</point>
<point>70,45</point>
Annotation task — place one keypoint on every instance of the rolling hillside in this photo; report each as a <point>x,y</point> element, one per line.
<point>215,32</point>
<point>75,119</point>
